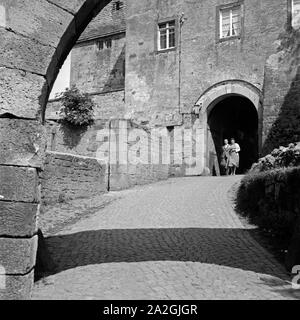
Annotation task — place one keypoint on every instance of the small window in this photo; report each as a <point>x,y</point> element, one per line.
<point>118,5</point>
<point>108,43</point>
<point>296,14</point>
<point>104,44</point>
<point>166,35</point>
<point>100,45</point>
<point>230,22</point>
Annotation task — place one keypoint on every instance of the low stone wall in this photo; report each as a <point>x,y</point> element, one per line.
<point>67,176</point>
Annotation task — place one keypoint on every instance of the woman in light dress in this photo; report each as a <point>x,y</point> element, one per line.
<point>225,157</point>
<point>234,158</point>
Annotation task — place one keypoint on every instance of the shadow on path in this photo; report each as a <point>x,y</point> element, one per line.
<point>233,248</point>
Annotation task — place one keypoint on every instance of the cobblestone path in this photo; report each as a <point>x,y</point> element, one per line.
<point>176,239</point>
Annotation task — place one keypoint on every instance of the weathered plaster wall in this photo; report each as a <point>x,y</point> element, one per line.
<point>68,174</point>
<point>95,70</point>
<point>281,116</point>
<point>107,105</point>
<point>100,70</point>
<point>207,61</point>
<point>152,78</point>
<point>138,158</point>
<point>74,140</point>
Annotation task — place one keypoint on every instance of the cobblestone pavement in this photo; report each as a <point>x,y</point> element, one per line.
<point>176,239</point>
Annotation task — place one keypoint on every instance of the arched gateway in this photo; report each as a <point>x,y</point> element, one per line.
<point>230,109</point>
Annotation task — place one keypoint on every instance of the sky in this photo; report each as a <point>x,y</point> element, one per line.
<point>63,79</point>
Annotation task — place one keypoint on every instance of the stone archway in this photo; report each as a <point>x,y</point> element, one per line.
<point>233,117</point>
<point>213,96</point>
<point>34,46</point>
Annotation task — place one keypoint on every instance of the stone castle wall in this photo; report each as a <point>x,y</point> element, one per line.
<point>98,61</point>
<point>108,106</point>
<point>281,103</point>
<point>159,85</point>
<point>68,174</point>
<point>162,87</point>
<point>96,68</point>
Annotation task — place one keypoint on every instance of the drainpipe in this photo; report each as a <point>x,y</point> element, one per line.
<point>53,137</point>
<point>181,22</point>
<point>109,147</point>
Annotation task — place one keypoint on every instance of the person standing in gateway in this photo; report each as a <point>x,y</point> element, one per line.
<point>225,157</point>
<point>234,158</point>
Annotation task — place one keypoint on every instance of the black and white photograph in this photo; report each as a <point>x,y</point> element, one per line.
<point>149,151</point>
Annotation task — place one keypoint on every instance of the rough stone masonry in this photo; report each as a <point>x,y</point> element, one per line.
<point>33,47</point>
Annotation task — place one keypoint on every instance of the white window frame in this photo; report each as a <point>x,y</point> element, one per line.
<point>167,23</point>
<point>230,21</point>
<point>294,24</point>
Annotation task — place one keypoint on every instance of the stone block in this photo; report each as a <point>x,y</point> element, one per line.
<point>17,287</point>
<point>23,53</point>
<point>20,92</point>
<point>18,219</point>
<point>22,142</point>
<point>18,256</point>
<point>19,184</point>
<point>41,20</point>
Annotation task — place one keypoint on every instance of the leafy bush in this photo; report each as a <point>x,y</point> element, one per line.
<point>282,157</point>
<point>270,199</point>
<point>77,108</point>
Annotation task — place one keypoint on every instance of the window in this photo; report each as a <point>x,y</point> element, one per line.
<point>108,43</point>
<point>100,45</point>
<point>230,22</point>
<point>296,14</point>
<point>118,5</point>
<point>104,44</point>
<point>166,35</point>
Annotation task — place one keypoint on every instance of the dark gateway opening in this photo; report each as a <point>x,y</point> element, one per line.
<point>235,117</point>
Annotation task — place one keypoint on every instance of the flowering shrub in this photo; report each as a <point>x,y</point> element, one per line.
<point>77,108</point>
<point>282,157</point>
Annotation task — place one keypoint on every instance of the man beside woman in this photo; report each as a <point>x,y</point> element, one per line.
<point>230,157</point>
